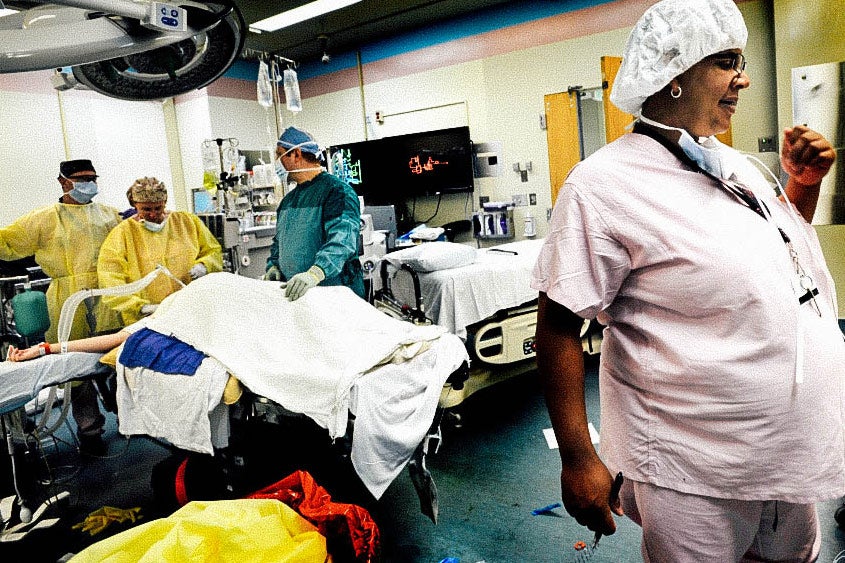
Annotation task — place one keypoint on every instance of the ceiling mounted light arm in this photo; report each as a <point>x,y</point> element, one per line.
<point>121,51</point>
<point>125,8</point>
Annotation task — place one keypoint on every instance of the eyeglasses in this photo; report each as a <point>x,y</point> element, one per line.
<point>731,61</point>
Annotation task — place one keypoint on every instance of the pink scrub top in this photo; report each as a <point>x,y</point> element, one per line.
<point>714,380</point>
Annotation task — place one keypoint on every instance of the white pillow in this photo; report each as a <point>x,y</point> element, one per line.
<point>433,256</point>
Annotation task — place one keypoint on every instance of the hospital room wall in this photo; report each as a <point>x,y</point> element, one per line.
<point>500,98</point>
<point>810,33</point>
<point>41,127</point>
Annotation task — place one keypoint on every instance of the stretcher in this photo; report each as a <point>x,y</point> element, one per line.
<point>20,383</point>
<point>287,354</point>
<point>489,304</point>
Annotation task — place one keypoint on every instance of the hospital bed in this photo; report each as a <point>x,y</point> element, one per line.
<point>287,354</point>
<point>488,303</point>
<point>20,383</point>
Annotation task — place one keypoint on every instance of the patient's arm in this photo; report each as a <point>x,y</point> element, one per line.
<point>102,343</point>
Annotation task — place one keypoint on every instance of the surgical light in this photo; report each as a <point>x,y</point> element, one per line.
<point>301,13</point>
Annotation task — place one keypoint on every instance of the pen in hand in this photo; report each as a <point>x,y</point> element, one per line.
<point>614,495</point>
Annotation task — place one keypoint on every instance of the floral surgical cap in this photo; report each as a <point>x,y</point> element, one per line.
<point>147,190</point>
<point>669,38</point>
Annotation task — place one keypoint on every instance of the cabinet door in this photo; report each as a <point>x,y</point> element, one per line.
<point>615,120</point>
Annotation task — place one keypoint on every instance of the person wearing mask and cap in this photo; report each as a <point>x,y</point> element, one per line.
<point>65,239</point>
<point>722,363</point>
<point>175,239</point>
<point>317,223</point>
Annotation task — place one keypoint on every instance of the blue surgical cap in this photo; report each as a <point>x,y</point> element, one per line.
<point>293,137</point>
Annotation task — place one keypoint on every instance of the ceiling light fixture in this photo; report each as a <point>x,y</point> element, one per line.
<point>302,13</point>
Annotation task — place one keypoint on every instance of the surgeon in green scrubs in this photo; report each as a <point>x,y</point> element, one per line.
<point>317,223</point>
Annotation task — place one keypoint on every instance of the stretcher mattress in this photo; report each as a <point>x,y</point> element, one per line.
<point>22,381</point>
<point>456,298</point>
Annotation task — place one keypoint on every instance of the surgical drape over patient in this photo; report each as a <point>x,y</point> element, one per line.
<point>670,38</point>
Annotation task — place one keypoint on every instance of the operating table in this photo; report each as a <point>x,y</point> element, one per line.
<point>388,379</point>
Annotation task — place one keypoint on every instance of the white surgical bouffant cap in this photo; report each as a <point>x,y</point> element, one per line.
<point>669,38</point>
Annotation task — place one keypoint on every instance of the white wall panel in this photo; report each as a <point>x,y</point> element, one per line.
<point>32,148</point>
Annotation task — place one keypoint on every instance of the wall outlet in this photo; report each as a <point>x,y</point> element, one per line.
<point>519,200</point>
<point>766,144</point>
<point>483,199</point>
<point>532,199</point>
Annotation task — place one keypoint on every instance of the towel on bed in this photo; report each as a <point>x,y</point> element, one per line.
<point>185,411</point>
<point>304,354</point>
<point>150,349</point>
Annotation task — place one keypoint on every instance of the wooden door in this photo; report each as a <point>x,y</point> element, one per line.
<point>561,137</point>
<point>616,120</point>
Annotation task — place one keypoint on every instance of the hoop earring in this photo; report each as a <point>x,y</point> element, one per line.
<point>676,93</point>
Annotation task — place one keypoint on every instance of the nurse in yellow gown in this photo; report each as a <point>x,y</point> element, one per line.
<point>176,239</point>
<point>65,239</point>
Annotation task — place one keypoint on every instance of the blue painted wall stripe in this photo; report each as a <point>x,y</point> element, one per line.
<point>458,28</point>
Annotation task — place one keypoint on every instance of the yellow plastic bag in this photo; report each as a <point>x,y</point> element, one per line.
<point>220,531</point>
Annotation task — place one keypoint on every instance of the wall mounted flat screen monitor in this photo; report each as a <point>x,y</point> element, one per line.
<point>392,169</point>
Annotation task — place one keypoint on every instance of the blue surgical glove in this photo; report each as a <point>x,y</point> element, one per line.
<point>273,274</point>
<point>198,271</point>
<point>303,281</point>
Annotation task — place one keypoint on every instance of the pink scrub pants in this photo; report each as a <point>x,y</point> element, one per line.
<point>684,528</point>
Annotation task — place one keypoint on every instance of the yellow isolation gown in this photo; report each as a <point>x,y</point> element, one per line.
<point>131,251</point>
<point>66,240</point>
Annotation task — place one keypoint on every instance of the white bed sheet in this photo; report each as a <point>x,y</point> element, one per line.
<point>394,405</point>
<point>22,381</point>
<point>458,297</point>
<point>321,356</point>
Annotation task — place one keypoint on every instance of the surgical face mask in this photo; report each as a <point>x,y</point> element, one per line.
<point>281,171</point>
<point>152,227</point>
<point>83,192</point>
<point>706,154</point>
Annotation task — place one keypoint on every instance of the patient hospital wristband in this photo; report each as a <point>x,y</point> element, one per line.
<point>43,349</point>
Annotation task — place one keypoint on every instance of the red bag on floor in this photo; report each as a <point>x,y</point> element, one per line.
<point>348,528</point>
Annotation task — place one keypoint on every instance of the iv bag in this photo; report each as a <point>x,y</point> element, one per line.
<point>291,85</point>
<point>265,87</point>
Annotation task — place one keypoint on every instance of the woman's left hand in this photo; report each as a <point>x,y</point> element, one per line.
<point>806,155</point>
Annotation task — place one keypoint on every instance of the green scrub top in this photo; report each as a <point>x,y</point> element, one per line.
<point>318,223</point>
